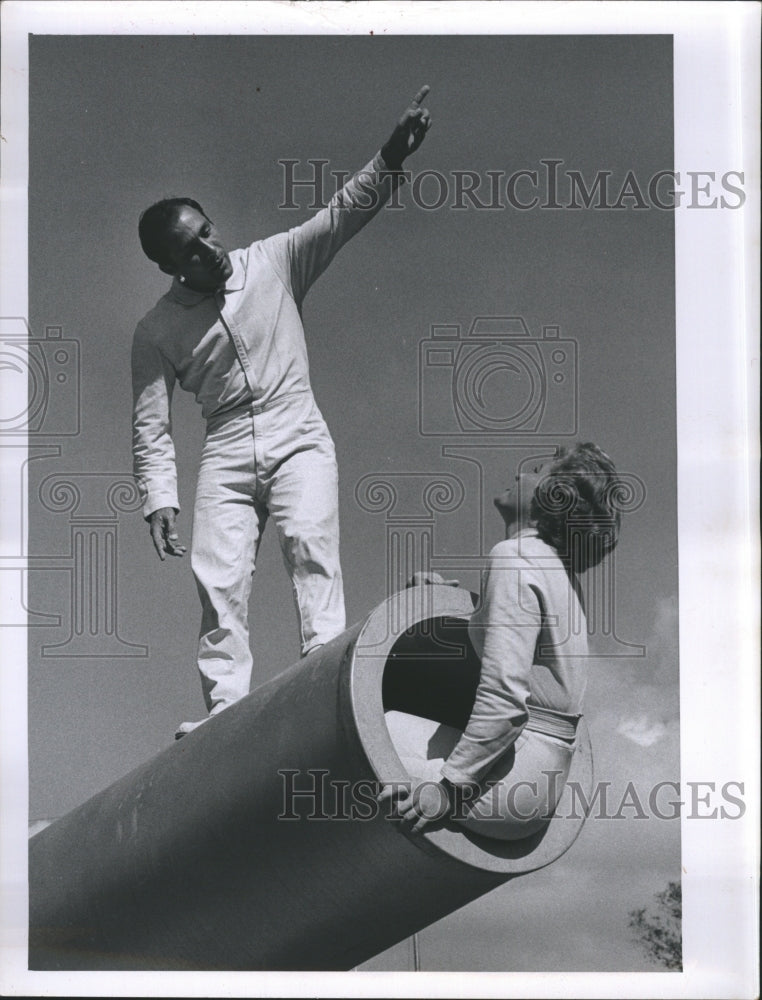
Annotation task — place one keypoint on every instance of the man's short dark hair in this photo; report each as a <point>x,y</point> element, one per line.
<point>575,506</point>
<point>154,223</point>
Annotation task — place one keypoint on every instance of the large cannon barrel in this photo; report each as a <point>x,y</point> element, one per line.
<point>255,842</point>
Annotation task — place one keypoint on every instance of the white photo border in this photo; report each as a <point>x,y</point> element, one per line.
<point>716,48</point>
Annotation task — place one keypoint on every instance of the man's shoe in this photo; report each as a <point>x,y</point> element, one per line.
<point>188,727</point>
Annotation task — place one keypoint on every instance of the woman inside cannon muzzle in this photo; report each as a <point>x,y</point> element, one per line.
<point>503,775</point>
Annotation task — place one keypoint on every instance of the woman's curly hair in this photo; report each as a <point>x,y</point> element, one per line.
<point>575,506</point>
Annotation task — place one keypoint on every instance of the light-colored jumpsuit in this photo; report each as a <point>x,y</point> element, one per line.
<point>530,634</point>
<point>267,450</point>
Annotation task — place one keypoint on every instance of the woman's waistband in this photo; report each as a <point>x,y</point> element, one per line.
<point>549,722</point>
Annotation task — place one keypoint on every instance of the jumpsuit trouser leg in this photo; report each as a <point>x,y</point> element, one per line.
<point>279,461</point>
<point>303,503</point>
<point>228,522</point>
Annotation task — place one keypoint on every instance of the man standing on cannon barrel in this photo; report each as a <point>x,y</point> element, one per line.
<point>230,331</point>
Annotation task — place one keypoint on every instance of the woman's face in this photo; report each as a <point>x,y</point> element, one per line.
<point>514,502</point>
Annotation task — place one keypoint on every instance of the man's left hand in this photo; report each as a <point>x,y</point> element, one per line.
<point>409,133</point>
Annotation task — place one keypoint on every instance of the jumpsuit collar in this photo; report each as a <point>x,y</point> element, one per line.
<point>527,533</point>
<point>190,297</point>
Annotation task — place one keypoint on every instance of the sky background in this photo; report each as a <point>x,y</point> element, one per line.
<point>116,123</point>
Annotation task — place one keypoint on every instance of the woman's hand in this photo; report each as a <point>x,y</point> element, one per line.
<point>419,579</point>
<point>417,804</point>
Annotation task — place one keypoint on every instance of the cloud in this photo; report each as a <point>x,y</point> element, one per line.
<point>655,689</point>
<point>638,699</point>
<point>642,730</point>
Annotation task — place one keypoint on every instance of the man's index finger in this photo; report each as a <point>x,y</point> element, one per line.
<point>421,95</point>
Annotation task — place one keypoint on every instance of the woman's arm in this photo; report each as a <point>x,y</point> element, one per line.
<point>506,628</point>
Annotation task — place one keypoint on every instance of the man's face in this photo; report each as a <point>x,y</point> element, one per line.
<point>195,252</point>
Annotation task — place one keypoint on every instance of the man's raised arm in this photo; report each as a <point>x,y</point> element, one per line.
<point>311,246</point>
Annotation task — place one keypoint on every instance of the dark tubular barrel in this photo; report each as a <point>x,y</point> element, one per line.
<point>206,856</point>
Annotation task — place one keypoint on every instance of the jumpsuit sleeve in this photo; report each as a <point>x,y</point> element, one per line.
<point>312,246</point>
<point>153,451</point>
<point>510,617</point>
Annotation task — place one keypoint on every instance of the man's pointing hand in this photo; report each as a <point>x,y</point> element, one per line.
<point>409,132</point>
